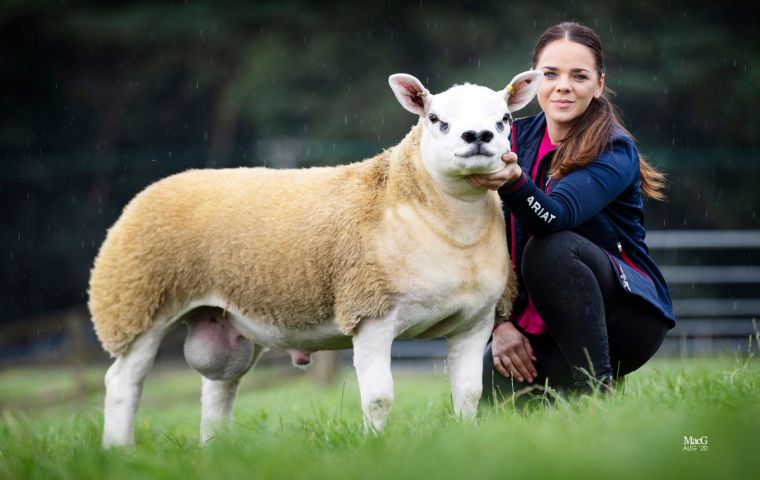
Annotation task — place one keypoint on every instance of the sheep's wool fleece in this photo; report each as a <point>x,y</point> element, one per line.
<point>291,247</point>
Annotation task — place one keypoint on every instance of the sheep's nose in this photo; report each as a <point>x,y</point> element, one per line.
<point>471,136</point>
<point>485,136</point>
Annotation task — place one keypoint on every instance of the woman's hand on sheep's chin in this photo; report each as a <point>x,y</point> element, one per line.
<point>510,173</point>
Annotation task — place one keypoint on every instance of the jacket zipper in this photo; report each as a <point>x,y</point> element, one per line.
<point>630,263</point>
<point>623,278</point>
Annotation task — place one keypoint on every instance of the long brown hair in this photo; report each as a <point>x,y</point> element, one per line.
<point>589,134</point>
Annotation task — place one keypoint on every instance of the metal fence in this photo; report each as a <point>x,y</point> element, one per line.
<point>714,277</point>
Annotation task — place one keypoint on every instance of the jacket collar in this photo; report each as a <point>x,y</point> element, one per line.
<point>528,132</point>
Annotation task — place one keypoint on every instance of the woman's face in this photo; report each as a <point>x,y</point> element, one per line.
<point>570,82</point>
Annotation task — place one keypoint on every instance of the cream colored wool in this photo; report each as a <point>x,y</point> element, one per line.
<point>296,248</point>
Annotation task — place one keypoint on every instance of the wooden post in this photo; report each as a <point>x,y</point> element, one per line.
<point>325,366</point>
<point>76,338</point>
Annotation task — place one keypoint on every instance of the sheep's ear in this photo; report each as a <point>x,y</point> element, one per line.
<point>521,90</point>
<point>410,92</point>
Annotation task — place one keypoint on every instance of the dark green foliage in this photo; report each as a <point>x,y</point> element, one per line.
<point>99,100</point>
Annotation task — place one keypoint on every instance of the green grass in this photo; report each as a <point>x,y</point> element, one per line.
<point>298,430</point>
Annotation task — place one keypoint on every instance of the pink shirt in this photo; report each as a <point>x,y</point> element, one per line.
<point>529,319</point>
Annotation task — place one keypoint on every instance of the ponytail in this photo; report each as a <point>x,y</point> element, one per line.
<point>588,138</point>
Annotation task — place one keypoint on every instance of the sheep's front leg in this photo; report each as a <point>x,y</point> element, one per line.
<point>465,363</point>
<point>124,381</point>
<point>218,398</point>
<point>372,360</point>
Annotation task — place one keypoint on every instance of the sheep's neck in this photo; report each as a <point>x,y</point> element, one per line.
<point>460,231</point>
<point>463,220</point>
<point>460,221</point>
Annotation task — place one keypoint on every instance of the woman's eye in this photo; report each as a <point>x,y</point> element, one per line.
<point>549,74</point>
<point>580,77</point>
<point>433,118</point>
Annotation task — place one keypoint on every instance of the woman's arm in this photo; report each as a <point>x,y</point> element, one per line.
<point>577,197</point>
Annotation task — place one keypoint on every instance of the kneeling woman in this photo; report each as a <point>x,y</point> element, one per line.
<point>592,305</point>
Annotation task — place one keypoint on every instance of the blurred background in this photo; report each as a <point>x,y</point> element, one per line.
<point>100,99</point>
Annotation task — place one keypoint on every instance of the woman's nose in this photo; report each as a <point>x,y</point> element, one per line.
<point>563,85</point>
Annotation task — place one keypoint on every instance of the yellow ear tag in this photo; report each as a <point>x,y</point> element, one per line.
<point>510,89</point>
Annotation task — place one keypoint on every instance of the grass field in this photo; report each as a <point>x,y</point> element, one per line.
<point>290,428</point>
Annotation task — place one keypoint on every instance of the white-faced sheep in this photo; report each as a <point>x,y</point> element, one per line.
<point>397,246</point>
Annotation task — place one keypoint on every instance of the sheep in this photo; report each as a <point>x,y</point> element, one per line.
<point>396,246</point>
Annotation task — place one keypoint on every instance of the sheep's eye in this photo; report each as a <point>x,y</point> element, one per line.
<point>433,118</point>
<point>507,118</point>
<point>444,127</point>
<point>499,127</point>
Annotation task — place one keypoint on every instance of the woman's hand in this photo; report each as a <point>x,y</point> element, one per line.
<point>512,353</point>
<point>510,173</point>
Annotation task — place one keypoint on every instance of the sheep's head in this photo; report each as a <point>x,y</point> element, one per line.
<point>466,128</point>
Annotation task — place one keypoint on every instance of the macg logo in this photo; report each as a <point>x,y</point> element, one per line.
<point>694,444</point>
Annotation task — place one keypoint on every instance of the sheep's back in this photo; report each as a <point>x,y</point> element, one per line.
<point>271,242</point>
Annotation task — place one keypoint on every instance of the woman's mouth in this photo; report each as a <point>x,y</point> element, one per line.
<point>562,103</point>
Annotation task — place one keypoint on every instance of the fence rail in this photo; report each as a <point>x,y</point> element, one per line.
<point>682,239</point>
<point>708,324</point>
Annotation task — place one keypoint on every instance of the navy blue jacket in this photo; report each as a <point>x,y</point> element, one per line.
<point>601,202</point>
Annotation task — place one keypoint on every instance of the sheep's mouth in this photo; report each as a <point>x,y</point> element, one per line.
<point>475,152</point>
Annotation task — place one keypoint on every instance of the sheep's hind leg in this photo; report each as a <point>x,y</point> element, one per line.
<point>218,398</point>
<point>465,363</point>
<point>124,381</point>
<point>216,350</point>
<point>372,360</point>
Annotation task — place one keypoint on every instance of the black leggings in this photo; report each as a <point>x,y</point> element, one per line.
<point>589,317</point>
